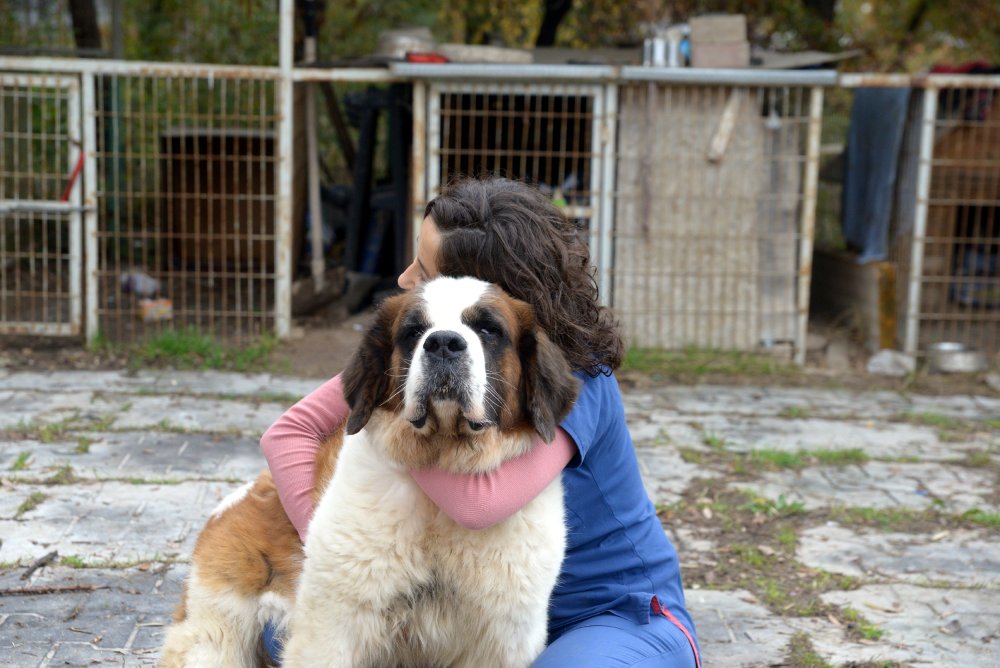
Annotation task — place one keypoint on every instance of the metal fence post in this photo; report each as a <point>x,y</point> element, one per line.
<point>75,132</point>
<point>607,144</point>
<point>90,203</point>
<point>808,233</point>
<point>418,161</point>
<point>920,220</point>
<point>283,198</point>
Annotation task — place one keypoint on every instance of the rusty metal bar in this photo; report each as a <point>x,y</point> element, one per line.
<point>75,231</point>
<point>808,231</point>
<point>345,74</point>
<point>90,201</point>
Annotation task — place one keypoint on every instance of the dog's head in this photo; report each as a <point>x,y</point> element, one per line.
<point>457,363</point>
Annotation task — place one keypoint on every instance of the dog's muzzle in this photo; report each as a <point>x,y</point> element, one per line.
<point>445,370</point>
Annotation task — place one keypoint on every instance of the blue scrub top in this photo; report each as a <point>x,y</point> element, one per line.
<point>618,556</point>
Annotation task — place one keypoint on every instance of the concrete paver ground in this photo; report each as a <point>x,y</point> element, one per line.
<point>116,474</point>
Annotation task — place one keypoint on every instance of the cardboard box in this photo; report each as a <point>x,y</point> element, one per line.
<point>718,28</point>
<point>732,54</point>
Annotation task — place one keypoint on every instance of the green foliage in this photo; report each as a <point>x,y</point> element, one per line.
<point>759,505</point>
<point>694,361</point>
<point>21,462</point>
<point>864,628</point>
<point>905,35</point>
<point>191,348</point>
<point>33,501</point>
<point>983,517</point>
<point>802,654</point>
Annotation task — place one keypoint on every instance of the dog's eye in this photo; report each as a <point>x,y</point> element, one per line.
<point>412,333</point>
<point>490,330</point>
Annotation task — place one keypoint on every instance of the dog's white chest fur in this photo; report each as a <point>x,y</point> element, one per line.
<point>390,580</point>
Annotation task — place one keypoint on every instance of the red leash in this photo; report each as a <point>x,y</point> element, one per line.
<point>660,610</point>
<point>72,179</point>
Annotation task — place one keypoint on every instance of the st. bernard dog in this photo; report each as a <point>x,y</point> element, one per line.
<point>456,375</point>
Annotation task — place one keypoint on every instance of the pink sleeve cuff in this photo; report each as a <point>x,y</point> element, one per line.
<point>482,500</point>
<point>290,446</point>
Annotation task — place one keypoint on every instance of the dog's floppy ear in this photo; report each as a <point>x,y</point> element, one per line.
<point>550,388</point>
<point>368,375</point>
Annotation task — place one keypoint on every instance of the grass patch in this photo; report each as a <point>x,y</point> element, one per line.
<point>783,459</point>
<point>33,501</point>
<point>191,348</point>
<point>83,445</point>
<point>801,653</point>
<point>894,519</point>
<point>758,505</point>
<point>73,561</point>
<point>859,627</point>
<point>694,361</point>
<point>21,462</point>
<point>714,442</point>
<point>778,459</point>
<point>64,475</point>
<point>794,412</point>
<point>982,517</point>
<point>692,456</point>
<point>978,460</point>
<point>935,420</point>
<point>848,457</point>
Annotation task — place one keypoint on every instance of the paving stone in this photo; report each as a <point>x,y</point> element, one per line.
<point>102,518</point>
<point>164,381</point>
<point>122,623</point>
<point>717,400</point>
<point>878,439</point>
<point>961,557</point>
<point>881,485</point>
<point>180,412</point>
<point>108,521</point>
<point>974,407</point>
<point>665,474</point>
<point>147,455</point>
<point>934,626</point>
<point>734,630</point>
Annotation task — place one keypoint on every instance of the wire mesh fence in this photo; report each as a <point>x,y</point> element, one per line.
<point>185,190</point>
<point>708,223</point>
<point>951,257</point>
<point>39,204</point>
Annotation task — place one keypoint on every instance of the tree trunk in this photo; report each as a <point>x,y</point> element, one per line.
<point>555,11</point>
<point>86,32</point>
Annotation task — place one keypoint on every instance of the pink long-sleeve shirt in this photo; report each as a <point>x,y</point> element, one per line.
<point>475,501</point>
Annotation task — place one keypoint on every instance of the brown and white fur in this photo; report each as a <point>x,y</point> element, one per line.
<point>455,375</point>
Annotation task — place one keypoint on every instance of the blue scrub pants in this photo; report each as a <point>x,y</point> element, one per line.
<point>604,641</point>
<point>609,641</point>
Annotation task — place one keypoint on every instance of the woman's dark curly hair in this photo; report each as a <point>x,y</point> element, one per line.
<point>509,233</point>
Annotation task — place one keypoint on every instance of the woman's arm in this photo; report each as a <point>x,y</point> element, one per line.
<point>290,446</point>
<point>480,501</point>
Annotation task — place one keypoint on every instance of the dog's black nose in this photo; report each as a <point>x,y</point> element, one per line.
<point>446,344</point>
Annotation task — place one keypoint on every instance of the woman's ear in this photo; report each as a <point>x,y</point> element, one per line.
<point>550,388</point>
<point>368,375</point>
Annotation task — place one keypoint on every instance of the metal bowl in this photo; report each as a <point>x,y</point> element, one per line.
<point>954,357</point>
